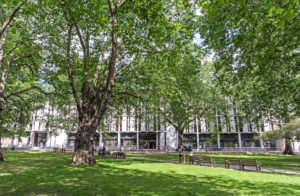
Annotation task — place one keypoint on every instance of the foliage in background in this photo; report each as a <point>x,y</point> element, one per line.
<point>289,131</point>
<point>256,52</point>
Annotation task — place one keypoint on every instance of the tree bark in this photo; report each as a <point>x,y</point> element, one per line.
<point>288,147</point>
<point>180,146</point>
<point>84,144</point>
<point>1,153</point>
<point>1,109</point>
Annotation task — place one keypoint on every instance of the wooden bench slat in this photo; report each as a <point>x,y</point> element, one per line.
<point>250,162</point>
<point>242,163</point>
<point>201,160</point>
<point>109,154</point>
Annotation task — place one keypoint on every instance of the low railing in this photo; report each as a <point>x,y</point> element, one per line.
<point>13,148</point>
<point>237,149</point>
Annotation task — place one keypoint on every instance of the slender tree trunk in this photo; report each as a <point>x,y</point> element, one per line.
<point>180,145</point>
<point>288,147</point>
<point>1,154</point>
<point>1,109</point>
<point>84,145</point>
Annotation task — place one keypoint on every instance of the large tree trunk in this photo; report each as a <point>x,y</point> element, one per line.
<point>84,145</point>
<point>288,147</point>
<point>180,146</point>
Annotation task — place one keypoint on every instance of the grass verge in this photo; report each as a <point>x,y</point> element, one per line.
<point>48,173</point>
<point>277,161</point>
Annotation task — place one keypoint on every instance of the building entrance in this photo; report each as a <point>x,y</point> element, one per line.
<point>40,139</point>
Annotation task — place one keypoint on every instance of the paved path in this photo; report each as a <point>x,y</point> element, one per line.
<point>249,168</point>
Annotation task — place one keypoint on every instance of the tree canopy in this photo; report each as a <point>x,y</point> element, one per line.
<point>256,50</point>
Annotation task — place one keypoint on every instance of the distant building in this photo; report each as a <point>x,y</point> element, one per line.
<point>131,132</point>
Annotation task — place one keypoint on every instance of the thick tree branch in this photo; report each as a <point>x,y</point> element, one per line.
<point>26,65</point>
<point>111,7</point>
<point>81,40</point>
<point>120,4</point>
<point>102,100</point>
<point>5,73</point>
<point>2,46</point>
<point>108,81</point>
<point>16,93</point>
<point>10,51</point>
<point>70,73</point>
<point>10,18</point>
<point>97,72</point>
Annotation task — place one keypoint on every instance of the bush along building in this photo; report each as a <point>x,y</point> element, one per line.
<point>149,132</point>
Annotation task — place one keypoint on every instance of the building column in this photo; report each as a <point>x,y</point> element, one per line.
<point>55,140</point>
<point>137,140</point>
<point>32,138</point>
<point>100,140</point>
<point>197,136</point>
<point>166,141</point>
<point>218,140</point>
<point>12,142</point>
<point>239,139</point>
<point>261,141</point>
<point>48,140</point>
<point>119,140</point>
<point>156,142</point>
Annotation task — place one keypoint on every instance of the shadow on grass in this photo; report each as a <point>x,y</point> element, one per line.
<point>50,173</point>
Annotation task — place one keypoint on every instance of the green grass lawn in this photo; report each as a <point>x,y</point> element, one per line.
<point>48,173</point>
<point>267,160</point>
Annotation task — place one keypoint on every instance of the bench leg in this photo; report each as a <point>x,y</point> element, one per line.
<point>258,168</point>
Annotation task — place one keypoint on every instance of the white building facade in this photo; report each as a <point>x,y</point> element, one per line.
<point>131,132</point>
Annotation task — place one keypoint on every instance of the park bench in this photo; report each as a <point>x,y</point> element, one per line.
<point>250,162</point>
<point>14,148</point>
<point>117,155</point>
<point>193,159</point>
<point>201,160</point>
<point>62,150</point>
<point>106,154</point>
<point>232,161</point>
<point>205,159</point>
<point>242,163</point>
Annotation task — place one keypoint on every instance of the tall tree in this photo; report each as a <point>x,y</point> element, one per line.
<point>256,50</point>
<point>19,53</point>
<point>178,88</point>
<point>92,42</point>
<point>289,131</point>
